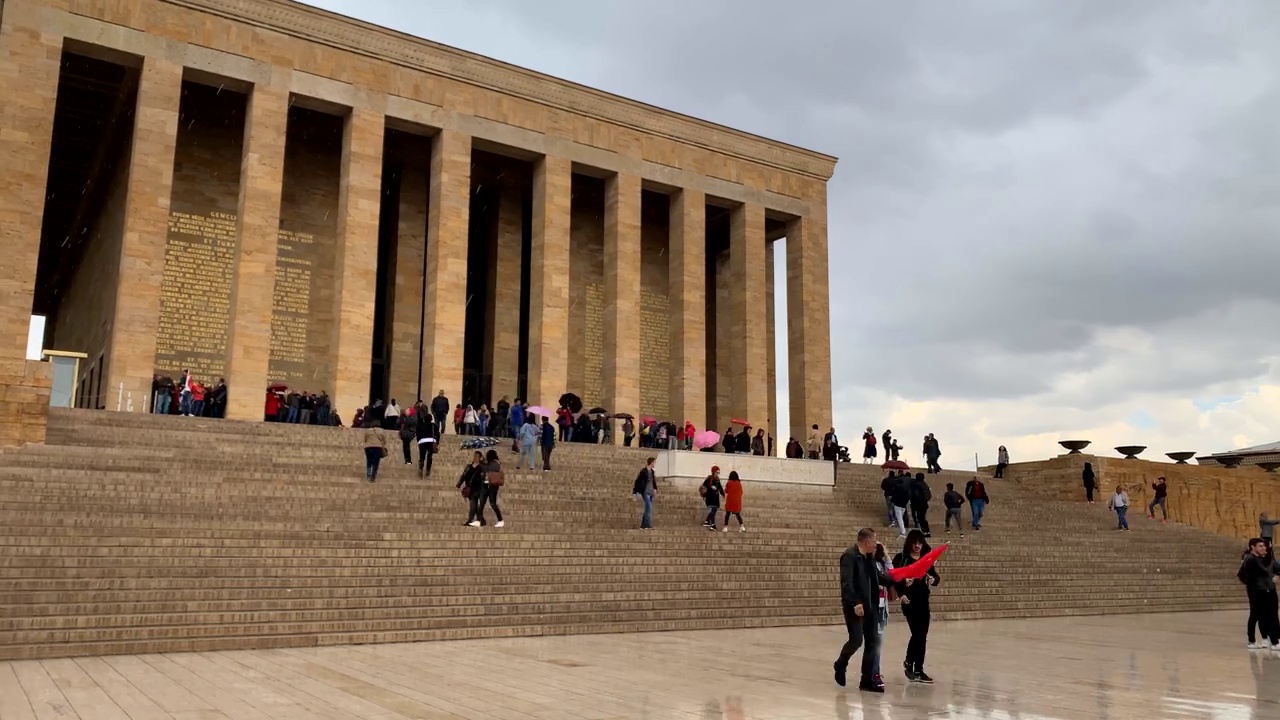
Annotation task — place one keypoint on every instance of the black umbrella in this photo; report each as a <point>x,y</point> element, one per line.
<point>572,402</point>
<point>624,416</point>
<point>597,411</point>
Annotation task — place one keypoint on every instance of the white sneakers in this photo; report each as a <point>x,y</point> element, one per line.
<point>1257,646</point>
<point>726,529</point>
<point>499,524</point>
<point>742,528</point>
<point>474,523</point>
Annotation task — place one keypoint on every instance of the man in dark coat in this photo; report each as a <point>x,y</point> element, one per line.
<point>439,410</point>
<point>921,494</point>
<point>860,583</point>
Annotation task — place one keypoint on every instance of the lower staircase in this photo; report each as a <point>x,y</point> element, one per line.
<point>131,533</point>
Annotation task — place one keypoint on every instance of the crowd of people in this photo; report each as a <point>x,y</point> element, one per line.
<point>188,397</point>
<point>907,498</point>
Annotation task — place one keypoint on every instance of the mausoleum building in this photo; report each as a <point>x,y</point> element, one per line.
<point>265,192</point>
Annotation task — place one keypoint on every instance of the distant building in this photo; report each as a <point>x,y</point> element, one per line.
<point>1248,456</point>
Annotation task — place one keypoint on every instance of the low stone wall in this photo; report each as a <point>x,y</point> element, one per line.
<point>1217,499</point>
<point>24,401</point>
<point>683,466</point>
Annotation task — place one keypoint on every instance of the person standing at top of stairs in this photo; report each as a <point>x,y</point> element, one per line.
<point>1161,498</point>
<point>439,409</point>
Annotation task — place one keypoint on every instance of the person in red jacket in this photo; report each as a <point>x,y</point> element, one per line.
<point>733,501</point>
<point>271,407</point>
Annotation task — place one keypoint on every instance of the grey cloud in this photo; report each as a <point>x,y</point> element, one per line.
<point>1017,180</point>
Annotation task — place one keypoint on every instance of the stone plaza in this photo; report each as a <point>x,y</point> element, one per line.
<point>271,193</point>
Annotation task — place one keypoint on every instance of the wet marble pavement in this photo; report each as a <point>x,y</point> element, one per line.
<point>1124,666</point>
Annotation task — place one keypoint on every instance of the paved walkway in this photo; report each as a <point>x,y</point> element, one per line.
<point>1158,666</point>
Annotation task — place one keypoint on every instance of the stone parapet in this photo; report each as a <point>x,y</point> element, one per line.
<point>24,401</point>
<point>1219,500</point>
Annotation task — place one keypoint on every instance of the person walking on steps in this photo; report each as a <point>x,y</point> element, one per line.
<point>915,606</point>
<point>921,494</point>
<point>439,409</point>
<point>493,482</point>
<point>711,490</point>
<point>375,448</point>
<point>408,429</point>
<point>860,583</point>
<point>548,443</point>
<point>471,483</point>
<point>1002,461</point>
<point>645,487</point>
<point>900,496</point>
<point>955,508</point>
<point>428,440</point>
<point>886,487</point>
<point>527,437</point>
<point>1120,503</point>
<point>1257,574</point>
<point>733,501</point>
<point>975,491</point>
<point>1161,498</point>
<point>1090,482</point>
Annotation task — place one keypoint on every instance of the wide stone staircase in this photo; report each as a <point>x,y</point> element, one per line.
<point>130,533</point>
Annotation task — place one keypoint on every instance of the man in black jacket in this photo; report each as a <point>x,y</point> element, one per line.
<point>645,487</point>
<point>921,494</point>
<point>860,583</point>
<point>900,496</point>
<point>439,409</point>
<point>1257,575</point>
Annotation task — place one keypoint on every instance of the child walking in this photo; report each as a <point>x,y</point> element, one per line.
<point>733,501</point>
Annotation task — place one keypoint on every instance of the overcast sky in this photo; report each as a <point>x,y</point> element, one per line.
<point>1050,220</point>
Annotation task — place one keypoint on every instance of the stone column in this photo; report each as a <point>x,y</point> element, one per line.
<point>549,281</point>
<point>258,229</point>
<point>356,257</point>
<point>687,270</point>
<point>30,63</point>
<point>622,295</point>
<point>137,304</point>
<point>748,363</point>
<point>504,279</point>
<point>771,348</point>
<point>809,323</point>
<point>445,302</point>
<point>411,255</point>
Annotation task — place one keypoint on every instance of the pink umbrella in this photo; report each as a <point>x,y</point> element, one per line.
<point>537,410</point>
<point>706,439</point>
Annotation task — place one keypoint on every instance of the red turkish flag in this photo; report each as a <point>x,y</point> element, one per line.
<point>917,569</point>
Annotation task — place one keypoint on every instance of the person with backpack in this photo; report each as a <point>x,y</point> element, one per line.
<point>921,494</point>
<point>711,490</point>
<point>869,446</point>
<point>975,491</point>
<point>408,433</point>
<point>955,508</point>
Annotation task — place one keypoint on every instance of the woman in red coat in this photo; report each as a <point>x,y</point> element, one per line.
<point>271,407</point>
<point>733,501</point>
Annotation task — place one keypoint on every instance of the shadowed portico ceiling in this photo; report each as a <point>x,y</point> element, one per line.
<point>315,25</point>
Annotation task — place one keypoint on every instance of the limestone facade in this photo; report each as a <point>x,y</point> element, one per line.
<point>294,240</point>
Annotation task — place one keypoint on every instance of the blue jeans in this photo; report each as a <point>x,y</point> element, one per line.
<point>526,450</point>
<point>372,458</point>
<point>292,417</point>
<point>975,508</point>
<point>184,403</point>
<point>484,426</point>
<point>1121,513</point>
<point>1151,509</point>
<point>646,520</point>
<point>883,622</point>
<point>162,403</point>
<point>888,508</point>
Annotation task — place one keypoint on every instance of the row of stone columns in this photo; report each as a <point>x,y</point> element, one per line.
<point>28,120</point>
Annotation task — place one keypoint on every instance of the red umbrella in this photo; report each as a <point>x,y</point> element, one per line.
<point>895,465</point>
<point>739,421</point>
<point>917,569</point>
<point>278,387</point>
<point>648,419</point>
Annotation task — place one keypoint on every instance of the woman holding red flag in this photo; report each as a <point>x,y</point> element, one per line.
<point>914,594</point>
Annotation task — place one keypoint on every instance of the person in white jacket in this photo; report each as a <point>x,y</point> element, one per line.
<point>1120,503</point>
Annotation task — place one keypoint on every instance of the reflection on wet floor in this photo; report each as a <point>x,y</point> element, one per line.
<point>1126,666</point>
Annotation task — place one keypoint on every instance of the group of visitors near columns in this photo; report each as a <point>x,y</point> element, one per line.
<point>188,397</point>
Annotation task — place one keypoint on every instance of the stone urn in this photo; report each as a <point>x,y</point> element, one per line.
<point>1074,446</point>
<point>1180,458</point>
<point>1269,466</point>
<point>1229,461</point>
<point>1130,452</point>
